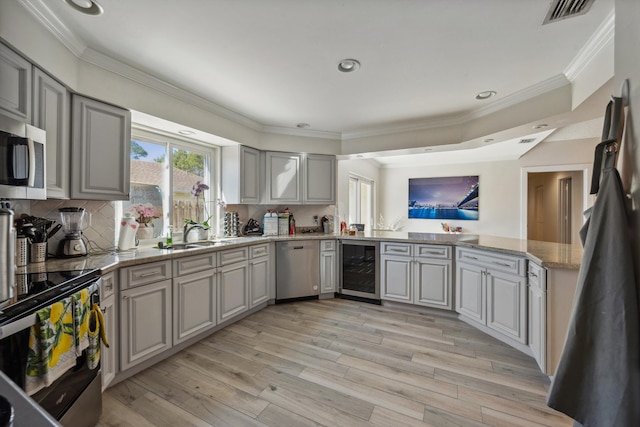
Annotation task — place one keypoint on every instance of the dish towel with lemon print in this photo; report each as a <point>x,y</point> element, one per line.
<point>62,331</point>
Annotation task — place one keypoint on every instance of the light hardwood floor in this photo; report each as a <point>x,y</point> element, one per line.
<point>337,363</point>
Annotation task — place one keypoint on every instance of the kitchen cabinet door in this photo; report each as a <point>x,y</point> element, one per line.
<point>506,304</point>
<point>328,272</point>
<point>145,322</point>
<point>470,299</point>
<point>233,290</point>
<point>537,314</point>
<point>319,179</point>
<point>15,85</point>
<point>284,182</point>
<point>241,171</point>
<point>259,279</point>
<point>109,355</point>
<point>194,304</point>
<point>395,277</point>
<point>100,150</point>
<point>432,281</point>
<point>51,110</point>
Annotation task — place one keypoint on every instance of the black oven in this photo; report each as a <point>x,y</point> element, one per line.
<point>75,398</point>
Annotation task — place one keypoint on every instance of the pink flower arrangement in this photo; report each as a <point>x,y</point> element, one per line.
<point>144,212</point>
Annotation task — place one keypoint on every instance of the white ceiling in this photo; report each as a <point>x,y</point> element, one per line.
<point>275,61</point>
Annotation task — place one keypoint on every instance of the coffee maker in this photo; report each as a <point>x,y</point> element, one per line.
<point>73,221</point>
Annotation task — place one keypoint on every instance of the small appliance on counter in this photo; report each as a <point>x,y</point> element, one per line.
<point>231,224</point>
<point>270,224</point>
<point>73,220</point>
<point>251,228</point>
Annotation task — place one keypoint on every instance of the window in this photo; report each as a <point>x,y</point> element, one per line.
<point>361,208</point>
<point>163,173</point>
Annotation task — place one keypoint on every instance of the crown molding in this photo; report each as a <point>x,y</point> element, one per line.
<point>39,10</point>
<point>325,134</point>
<point>518,97</point>
<point>120,68</point>
<point>599,41</point>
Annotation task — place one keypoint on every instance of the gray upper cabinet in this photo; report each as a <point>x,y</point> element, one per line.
<point>241,174</point>
<point>15,85</point>
<point>51,109</point>
<point>319,179</point>
<point>284,180</point>
<point>100,150</point>
<point>300,178</point>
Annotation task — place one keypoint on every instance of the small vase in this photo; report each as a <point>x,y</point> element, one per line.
<point>145,232</point>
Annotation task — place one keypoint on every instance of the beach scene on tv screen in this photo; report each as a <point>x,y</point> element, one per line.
<point>448,198</point>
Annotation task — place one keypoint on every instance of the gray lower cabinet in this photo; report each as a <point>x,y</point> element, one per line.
<point>259,274</point>
<point>417,274</point>
<point>328,267</point>
<point>145,322</point>
<point>145,310</point>
<point>537,312</point>
<point>51,110</point>
<point>194,304</point>
<point>100,150</point>
<point>109,355</point>
<point>491,290</point>
<point>15,85</point>
<point>233,290</point>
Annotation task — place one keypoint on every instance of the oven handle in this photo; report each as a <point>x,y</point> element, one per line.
<point>29,320</point>
<point>17,326</point>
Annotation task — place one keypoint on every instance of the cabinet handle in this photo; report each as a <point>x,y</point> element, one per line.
<point>435,252</point>
<point>504,264</point>
<point>125,296</point>
<point>470,257</point>
<point>153,273</point>
<point>532,274</point>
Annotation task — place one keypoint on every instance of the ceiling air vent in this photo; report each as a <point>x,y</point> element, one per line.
<point>563,9</point>
<point>526,140</point>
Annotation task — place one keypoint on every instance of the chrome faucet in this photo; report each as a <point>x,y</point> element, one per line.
<point>189,227</point>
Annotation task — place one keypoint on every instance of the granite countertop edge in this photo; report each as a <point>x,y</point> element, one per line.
<point>546,254</point>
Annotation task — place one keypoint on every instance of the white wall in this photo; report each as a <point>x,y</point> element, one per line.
<point>500,187</point>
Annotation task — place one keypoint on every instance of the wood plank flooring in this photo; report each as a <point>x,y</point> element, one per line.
<point>337,363</point>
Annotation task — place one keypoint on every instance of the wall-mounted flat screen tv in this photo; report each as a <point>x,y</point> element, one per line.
<point>451,198</point>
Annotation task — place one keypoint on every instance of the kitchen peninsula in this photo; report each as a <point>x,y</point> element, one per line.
<point>545,312</point>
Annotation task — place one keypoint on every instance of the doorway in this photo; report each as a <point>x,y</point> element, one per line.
<point>553,200</point>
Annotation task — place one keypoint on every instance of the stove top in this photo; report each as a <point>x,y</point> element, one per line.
<point>33,291</point>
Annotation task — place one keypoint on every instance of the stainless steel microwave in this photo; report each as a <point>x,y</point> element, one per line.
<point>23,173</point>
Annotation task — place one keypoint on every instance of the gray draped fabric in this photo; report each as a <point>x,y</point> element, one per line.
<point>597,382</point>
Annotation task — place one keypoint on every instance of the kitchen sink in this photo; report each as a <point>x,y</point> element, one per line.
<point>196,245</point>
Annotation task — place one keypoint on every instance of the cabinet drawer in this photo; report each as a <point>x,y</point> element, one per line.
<point>257,251</point>
<point>327,245</point>
<point>388,248</point>
<point>433,251</point>
<point>194,264</point>
<point>492,260</point>
<point>231,256</point>
<point>108,285</point>
<point>537,277</point>
<point>153,272</point>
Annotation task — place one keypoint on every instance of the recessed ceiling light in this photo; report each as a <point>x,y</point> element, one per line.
<point>486,94</point>
<point>428,149</point>
<point>348,65</point>
<point>540,126</point>
<point>303,125</point>
<point>186,132</point>
<point>88,7</point>
<point>489,140</point>
<point>359,156</point>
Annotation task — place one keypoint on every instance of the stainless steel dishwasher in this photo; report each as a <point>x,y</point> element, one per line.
<point>297,269</point>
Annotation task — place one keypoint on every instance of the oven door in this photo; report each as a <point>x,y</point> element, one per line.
<point>62,398</point>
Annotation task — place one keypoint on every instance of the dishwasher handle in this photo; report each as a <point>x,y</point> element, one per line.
<point>298,247</point>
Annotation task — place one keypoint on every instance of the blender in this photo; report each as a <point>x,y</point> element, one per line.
<point>73,220</point>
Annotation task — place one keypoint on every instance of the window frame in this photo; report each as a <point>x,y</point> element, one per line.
<point>212,173</point>
<point>369,223</point>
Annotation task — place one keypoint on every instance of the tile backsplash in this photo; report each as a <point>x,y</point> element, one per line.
<point>100,235</point>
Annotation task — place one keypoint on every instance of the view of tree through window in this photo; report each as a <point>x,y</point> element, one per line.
<point>165,186</point>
